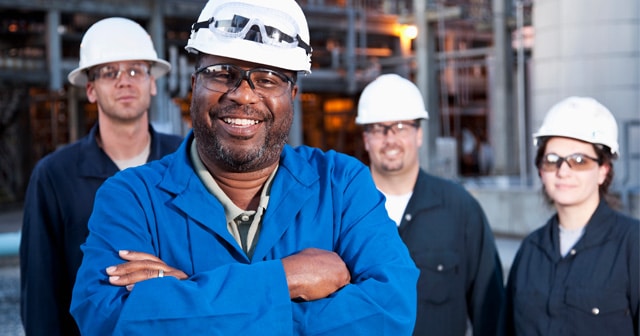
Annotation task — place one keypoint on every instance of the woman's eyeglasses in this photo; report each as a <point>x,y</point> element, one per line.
<point>551,162</point>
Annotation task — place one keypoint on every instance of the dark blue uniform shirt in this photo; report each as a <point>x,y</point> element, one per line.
<point>58,203</point>
<point>450,240</point>
<point>591,291</point>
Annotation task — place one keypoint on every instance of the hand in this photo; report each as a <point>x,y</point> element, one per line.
<point>139,267</point>
<point>314,274</point>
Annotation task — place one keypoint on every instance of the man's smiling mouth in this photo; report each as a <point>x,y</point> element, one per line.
<point>240,122</point>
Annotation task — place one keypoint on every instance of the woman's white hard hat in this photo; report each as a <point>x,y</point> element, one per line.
<point>580,118</point>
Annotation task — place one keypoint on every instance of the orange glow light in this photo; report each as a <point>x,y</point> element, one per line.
<point>410,31</point>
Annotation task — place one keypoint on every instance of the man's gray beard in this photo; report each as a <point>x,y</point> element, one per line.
<point>237,162</point>
<point>251,160</point>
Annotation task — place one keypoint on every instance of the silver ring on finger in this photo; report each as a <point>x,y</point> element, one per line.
<point>160,273</point>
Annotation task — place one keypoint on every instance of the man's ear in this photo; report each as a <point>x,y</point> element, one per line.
<point>91,92</point>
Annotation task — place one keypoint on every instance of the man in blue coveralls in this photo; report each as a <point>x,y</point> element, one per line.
<point>238,233</point>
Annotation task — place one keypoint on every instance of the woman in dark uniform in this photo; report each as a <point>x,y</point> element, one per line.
<point>578,274</point>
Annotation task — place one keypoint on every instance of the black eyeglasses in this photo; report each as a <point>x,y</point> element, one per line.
<point>551,162</point>
<point>400,128</point>
<point>227,77</point>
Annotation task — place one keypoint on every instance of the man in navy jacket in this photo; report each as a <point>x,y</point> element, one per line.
<point>118,67</point>
<point>443,226</point>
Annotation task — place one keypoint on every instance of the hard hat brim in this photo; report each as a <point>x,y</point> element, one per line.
<point>365,119</point>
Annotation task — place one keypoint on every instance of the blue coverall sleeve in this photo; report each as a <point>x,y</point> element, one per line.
<point>225,295</point>
<point>382,296</point>
<point>221,299</point>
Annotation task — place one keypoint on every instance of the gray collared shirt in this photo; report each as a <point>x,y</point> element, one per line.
<point>236,217</point>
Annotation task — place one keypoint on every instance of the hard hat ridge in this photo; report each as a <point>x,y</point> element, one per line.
<point>116,39</point>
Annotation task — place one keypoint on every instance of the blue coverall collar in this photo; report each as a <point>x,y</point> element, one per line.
<point>295,179</point>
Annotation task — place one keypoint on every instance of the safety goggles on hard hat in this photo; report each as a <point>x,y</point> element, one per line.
<point>236,21</point>
<point>552,162</point>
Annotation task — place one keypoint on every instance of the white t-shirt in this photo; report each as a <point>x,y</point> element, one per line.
<point>135,161</point>
<point>396,204</point>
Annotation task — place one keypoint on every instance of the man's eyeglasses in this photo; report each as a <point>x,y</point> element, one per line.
<point>551,162</point>
<point>227,77</point>
<point>399,129</point>
<point>111,73</point>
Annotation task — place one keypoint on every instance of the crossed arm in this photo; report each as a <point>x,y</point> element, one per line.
<point>311,274</point>
<point>369,285</point>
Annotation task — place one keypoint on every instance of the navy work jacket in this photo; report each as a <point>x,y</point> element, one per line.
<point>450,240</point>
<point>57,207</point>
<point>591,291</point>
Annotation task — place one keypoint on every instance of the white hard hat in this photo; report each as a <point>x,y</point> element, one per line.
<point>113,40</point>
<point>389,98</point>
<point>581,118</point>
<point>273,33</point>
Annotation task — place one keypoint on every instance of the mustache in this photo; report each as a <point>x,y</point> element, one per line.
<point>238,111</point>
<point>391,147</point>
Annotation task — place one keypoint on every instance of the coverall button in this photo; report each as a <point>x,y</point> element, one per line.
<point>408,217</point>
<point>573,252</point>
<point>440,268</point>
<point>595,311</point>
<point>244,218</point>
